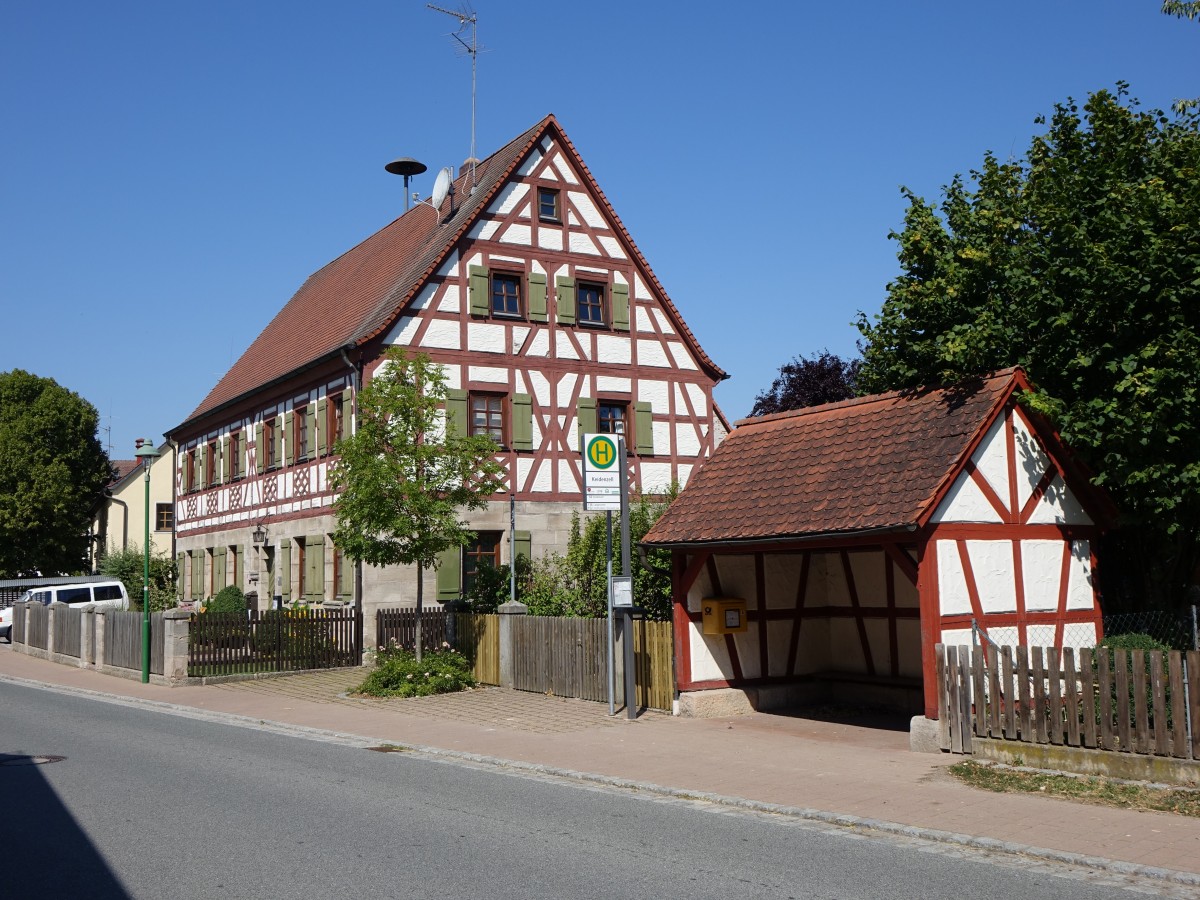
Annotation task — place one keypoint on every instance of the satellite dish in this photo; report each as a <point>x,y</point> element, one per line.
<point>441,187</point>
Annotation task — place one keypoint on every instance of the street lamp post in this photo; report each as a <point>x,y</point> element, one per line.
<point>146,454</point>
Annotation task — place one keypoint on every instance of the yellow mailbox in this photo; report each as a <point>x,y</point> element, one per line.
<point>723,616</point>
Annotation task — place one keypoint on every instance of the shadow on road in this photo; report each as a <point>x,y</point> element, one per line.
<point>46,853</point>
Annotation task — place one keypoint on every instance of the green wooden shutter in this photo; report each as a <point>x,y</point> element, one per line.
<point>289,439</point>
<point>277,441</point>
<point>537,297</point>
<point>218,568</point>
<point>239,563</point>
<point>197,574</point>
<point>588,422</point>
<point>223,452</point>
<point>310,430</point>
<point>522,422</point>
<point>565,310</point>
<point>480,301</point>
<point>620,307</point>
<point>643,428</point>
<point>322,433</point>
<point>524,544</point>
<point>260,452</point>
<point>285,570</point>
<point>456,411</point>
<point>314,568</point>
<point>197,468</point>
<point>449,575</point>
<point>345,575</point>
<point>180,563</point>
<point>202,456</point>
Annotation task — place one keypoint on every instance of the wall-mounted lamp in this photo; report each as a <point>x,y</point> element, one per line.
<point>259,535</point>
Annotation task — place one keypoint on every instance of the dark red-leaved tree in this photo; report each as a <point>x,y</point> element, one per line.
<point>825,378</point>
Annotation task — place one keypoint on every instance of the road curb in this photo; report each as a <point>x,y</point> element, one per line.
<point>841,820</point>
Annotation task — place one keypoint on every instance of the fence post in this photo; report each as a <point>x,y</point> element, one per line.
<point>50,642</point>
<point>101,638</point>
<point>176,626</point>
<point>507,648</point>
<point>87,650</point>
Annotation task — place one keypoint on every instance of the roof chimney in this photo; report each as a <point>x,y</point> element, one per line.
<point>468,163</point>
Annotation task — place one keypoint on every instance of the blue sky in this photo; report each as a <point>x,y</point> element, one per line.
<point>171,172</point>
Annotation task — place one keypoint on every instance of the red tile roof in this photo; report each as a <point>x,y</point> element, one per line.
<point>362,292</point>
<point>873,463</point>
<point>124,468</point>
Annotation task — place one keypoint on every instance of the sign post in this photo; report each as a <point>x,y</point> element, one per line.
<point>604,489</point>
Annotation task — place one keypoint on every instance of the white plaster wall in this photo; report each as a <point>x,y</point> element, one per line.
<point>566,387</point>
<point>736,574</point>
<point>664,324</point>
<point>641,319</point>
<point>612,383</point>
<point>613,349</point>
<point>710,659</point>
<point>517,234</point>
<point>550,239</point>
<point>611,246</point>
<point>1059,506</point>
<point>656,393</point>
<point>442,334</point>
<point>682,356</point>
<point>581,243</point>
<point>508,198</point>
<point>485,338</point>
<point>952,584</point>
<point>450,302</point>
<point>539,387</point>
<point>488,374</point>
<point>1080,594</point>
<point>662,435</point>
<point>992,563</point>
<point>870,578</point>
<point>563,348</point>
<point>584,206</point>
<point>1039,635</point>
<point>1041,566</point>
<point>402,332</point>
<point>687,443</point>
<point>650,353</point>
<point>656,477</point>
<point>991,458</point>
<point>964,502</point>
<point>782,571</point>
<point>1032,461</point>
<point>957,637</point>
<point>566,476</point>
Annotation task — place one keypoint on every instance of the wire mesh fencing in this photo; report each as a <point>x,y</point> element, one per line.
<point>1176,629</point>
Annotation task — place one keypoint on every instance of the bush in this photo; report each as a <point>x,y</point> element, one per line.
<point>1137,641</point>
<point>398,674</point>
<point>129,567</point>
<point>1134,642</point>
<point>227,600</point>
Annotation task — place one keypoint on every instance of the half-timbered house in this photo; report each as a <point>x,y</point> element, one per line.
<point>548,322</point>
<point>847,540</point>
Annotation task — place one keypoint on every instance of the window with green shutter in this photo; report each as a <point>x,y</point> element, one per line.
<point>307,427</point>
<point>202,466</point>
<point>522,422</point>
<point>643,428</point>
<point>197,468</point>
<point>479,289</point>
<point>456,411</point>
<point>523,545</point>
<point>321,424</point>
<point>285,571</point>
<point>537,297</point>
<point>219,576</point>
<point>289,440</point>
<point>314,568</point>
<point>223,453</point>
<point>586,411</point>
<point>449,575</point>
<point>564,288</point>
<point>197,574</point>
<point>620,307</point>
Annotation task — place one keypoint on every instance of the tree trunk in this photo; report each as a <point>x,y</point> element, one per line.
<point>420,598</point>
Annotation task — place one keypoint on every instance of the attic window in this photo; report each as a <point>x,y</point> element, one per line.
<point>548,205</point>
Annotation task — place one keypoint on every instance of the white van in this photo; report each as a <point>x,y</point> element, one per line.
<point>100,594</point>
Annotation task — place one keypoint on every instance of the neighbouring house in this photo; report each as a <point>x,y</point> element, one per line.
<point>548,322</point>
<point>824,552</point>
<point>120,518</point>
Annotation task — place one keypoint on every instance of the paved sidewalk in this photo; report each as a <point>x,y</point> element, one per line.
<point>817,769</point>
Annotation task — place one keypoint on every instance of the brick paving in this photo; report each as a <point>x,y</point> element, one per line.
<point>818,769</point>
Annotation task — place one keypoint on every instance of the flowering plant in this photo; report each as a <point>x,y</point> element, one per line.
<point>398,673</point>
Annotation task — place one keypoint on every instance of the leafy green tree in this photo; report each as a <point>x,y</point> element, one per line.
<point>1184,9</point>
<point>1080,262</point>
<point>129,567</point>
<point>406,474</point>
<point>52,473</point>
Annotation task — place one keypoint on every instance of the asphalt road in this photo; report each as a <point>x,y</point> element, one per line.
<point>150,805</point>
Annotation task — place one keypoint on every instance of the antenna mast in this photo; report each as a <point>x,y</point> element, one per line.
<point>466,16</point>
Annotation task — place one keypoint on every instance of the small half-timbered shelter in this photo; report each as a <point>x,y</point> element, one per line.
<point>846,540</point>
<point>548,322</point>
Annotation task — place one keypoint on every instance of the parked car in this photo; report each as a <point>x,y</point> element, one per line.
<point>100,594</point>
<point>6,615</point>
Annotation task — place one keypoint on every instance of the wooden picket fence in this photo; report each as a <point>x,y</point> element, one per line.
<point>1115,700</point>
<point>400,626</point>
<point>272,641</point>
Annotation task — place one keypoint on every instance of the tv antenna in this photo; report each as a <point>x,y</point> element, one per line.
<point>466,16</point>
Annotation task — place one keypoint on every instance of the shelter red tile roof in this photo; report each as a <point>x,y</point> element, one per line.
<point>869,464</point>
<point>124,468</point>
<point>362,292</point>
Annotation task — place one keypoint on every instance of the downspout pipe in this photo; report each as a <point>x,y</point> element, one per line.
<point>355,381</point>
